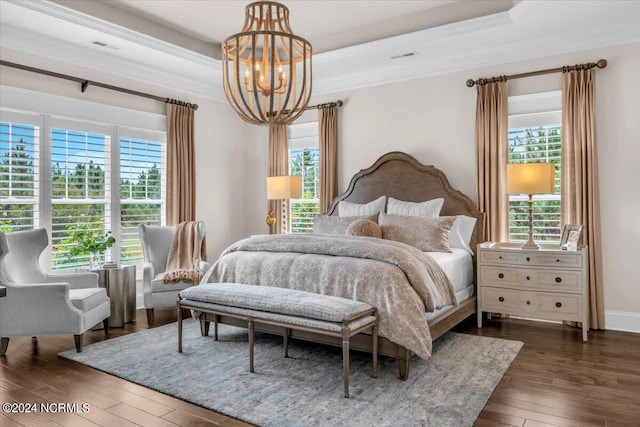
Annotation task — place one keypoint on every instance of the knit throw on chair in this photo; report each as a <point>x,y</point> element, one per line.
<point>185,255</point>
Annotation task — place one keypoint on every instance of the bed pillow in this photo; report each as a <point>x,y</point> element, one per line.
<point>358,209</point>
<point>327,224</point>
<point>430,208</point>
<point>364,228</point>
<point>424,233</point>
<point>460,235</point>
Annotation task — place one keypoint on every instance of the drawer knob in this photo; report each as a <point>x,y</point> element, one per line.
<point>528,302</point>
<point>558,304</point>
<point>528,278</point>
<point>501,276</point>
<point>501,299</point>
<point>558,260</point>
<point>500,257</point>
<point>528,259</point>
<point>558,279</point>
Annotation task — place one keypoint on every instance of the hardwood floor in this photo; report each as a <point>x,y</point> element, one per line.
<point>556,380</point>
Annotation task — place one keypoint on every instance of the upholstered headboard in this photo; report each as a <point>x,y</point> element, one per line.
<point>401,176</point>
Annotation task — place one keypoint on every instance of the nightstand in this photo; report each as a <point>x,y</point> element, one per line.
<point>547,284</point>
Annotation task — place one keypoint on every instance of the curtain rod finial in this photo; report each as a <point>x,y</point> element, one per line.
<point>470,83</point>
<point>601,63</point>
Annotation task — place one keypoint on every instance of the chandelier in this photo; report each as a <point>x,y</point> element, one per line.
<point>266,68</point>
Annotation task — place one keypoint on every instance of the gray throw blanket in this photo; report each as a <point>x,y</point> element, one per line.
<point>401,281</point>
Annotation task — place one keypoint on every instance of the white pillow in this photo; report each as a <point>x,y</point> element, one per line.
<point>460,235</point>
<point>430,208</point>
<point>357,209</point>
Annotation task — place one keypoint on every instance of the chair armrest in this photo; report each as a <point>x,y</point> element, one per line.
<point>204,266</point>
<point>35,308</point>
<point>148,273</point>
<point>75,280</point>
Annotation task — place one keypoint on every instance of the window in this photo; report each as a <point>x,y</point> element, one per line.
<point>66,181</point>
<point>535,136</point>
<point>304,161</point>
<point>19,177</point>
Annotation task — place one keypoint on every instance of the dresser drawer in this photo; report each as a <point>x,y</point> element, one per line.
<point>533,279</point>
<point>544,305</point>
<point>538,259</point>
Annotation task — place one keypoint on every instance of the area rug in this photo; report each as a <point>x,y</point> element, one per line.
<point>306,389</point>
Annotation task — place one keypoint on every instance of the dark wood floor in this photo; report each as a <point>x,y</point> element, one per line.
<point>556,380</point>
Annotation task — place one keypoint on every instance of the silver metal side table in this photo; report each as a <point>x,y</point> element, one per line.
<point>120,283</point>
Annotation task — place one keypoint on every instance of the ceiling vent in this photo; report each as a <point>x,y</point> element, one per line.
<point>404,55</point>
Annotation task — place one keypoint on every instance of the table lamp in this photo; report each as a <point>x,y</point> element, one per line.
<point>282,188</point>
<point>530,179</point>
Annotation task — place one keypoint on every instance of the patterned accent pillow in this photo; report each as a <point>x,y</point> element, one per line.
<point>357,209</point>
<point>429,208</point>
<point>364,228</point>
<point>424,233</point>
<point>327,224</point>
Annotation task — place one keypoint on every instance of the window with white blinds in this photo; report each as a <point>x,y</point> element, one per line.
<point>142,191</point>
<point>304,161</point>
<point>72,175</point>
<point>19,176</point>
<point>80,190</point>
<point>536,137</point>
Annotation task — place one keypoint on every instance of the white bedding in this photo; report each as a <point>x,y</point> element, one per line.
<point>457,265</point>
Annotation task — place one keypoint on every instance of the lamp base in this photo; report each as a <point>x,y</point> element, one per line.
<point>530,245</point>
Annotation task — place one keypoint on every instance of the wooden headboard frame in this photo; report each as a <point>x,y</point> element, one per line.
<point>401,176</point>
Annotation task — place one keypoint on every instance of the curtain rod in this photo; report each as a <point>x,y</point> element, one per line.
<point>86,83</point>
<point>338,103</point>
<point>600,64</point>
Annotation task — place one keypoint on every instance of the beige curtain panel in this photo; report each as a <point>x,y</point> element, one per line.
<point>492,133</point>
<point>580,193</point>
<point>181,171</point>
<point>279,166</point>
<point>328,118</point>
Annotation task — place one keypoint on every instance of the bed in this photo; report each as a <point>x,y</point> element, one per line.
<point>402,177</point>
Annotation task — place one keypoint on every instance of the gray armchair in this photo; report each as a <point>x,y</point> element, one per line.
<point>38,303</point>
<point>156,243</point>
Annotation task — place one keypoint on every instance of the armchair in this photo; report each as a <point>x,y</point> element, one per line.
<point>156,243</point>
<point>38,303</point>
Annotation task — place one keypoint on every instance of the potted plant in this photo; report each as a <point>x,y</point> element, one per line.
<point>90,241</point>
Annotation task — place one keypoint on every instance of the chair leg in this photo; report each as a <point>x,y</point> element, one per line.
<point>204,325</point>
<point>105,323</point>
<point>4,343</point>
<point>150,316</point>
<point>78,340</point>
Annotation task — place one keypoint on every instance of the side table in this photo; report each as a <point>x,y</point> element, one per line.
<point>120,283</point>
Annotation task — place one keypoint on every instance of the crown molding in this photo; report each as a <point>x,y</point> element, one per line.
<point>70,15</point>
<point>17,39</point>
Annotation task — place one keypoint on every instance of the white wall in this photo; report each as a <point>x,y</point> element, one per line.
<point>219,134</point>
<point>433,119</point>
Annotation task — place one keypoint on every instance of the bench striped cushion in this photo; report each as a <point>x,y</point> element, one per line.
<point>290,302</point>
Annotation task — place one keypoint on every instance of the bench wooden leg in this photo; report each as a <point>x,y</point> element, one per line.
<point>250,345</point>
<point>78,340</point>
<point>215,327</point>
<point>204,325</point>
<point>179,328</point>
<point>285,339</point>
<point>345,360</point>
<point>374,337</point>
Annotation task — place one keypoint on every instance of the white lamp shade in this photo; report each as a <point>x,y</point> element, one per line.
<point>530,178</point>
<point>284,187</point>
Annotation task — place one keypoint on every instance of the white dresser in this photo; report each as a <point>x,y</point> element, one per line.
<point>548,284</point>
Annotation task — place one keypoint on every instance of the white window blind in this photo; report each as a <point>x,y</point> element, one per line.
<point>19,176</point>
<point>536,138</point>
<point>80,190</point>
<point>142,191</point>
<point>304,161</point>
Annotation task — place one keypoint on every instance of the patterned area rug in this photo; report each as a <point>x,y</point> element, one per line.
<point>306,389</point>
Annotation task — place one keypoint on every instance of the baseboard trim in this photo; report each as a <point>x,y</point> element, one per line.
<point>622,321</point>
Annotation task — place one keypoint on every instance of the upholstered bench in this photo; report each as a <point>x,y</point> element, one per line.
<point>289,308</point>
